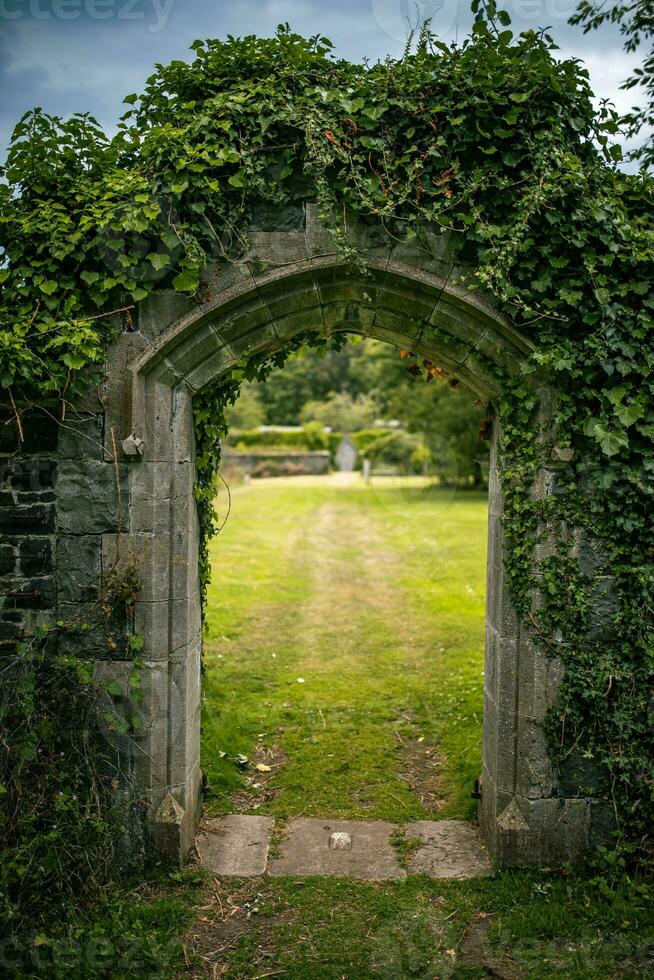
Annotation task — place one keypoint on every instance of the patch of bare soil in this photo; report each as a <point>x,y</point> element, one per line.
<point>419,764</point>
<point>264,765</point>
<point>230,912</point>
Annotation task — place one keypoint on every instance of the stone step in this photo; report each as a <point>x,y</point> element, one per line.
<point>240,845</point>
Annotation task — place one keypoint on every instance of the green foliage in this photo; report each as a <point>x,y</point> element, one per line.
<point>303,378</point>
<point>636,20</point>
<point>58,758</point>
<point>247,412</point>
<point>447,418</point>
<point>492,144</point>
<point>310,436</point>
<point>131,930</point>
<point>66,807</point>
<point>342,412</point>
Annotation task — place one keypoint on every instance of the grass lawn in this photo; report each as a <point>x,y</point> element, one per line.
<point>344,652</point>
<point>345,643</point>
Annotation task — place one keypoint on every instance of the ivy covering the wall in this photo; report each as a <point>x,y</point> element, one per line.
<point>494,144</point>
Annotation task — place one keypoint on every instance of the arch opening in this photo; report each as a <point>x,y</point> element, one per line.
<point>181,351</point>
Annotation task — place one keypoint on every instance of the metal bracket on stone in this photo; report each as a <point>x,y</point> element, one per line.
<point>563,454</point>
<point>133,445</point>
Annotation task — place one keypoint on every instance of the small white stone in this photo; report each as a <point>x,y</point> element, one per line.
<point>340,841</point>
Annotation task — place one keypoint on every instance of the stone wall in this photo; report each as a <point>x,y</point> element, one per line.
<point>28,475</point>
<point>59,501</point>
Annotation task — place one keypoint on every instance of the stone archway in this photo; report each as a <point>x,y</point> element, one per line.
<point>404,296</point>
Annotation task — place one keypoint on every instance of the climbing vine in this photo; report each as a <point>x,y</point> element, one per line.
<point>494,144</point>
<point>66,795</point>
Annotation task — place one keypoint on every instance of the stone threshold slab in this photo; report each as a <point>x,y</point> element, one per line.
<point>234,845</point>
<point>239,845</point>
<point>347,848</point>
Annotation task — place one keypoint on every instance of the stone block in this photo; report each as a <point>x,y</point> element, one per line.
<point>123,354</point>
<point>533,769</point>
<point>278,248</point>
<point>31,593</point>
<point>157,414</point>
<point>79,567</point>
<point>32,475</point>
<point>578,776</point>
<point>214,367</point>
<point>604,606</point>
<point>592,552</point>
<point>100,637</point>
<point>306,850</point>
<point>277,218</point>
<point>35,555</point>
<point>151,557</point>
<point>160,310</point>
<point>449,849</point>
<point>191,352</point>
<point>82,438</point>
<point>27,519</point>
<point>319,240</point>
<point>87,497</point>
<point>500,612</point>
<point>433,255</point>
<point>539,677</point>
<point>234,845</point>
<point>522,831</point>
<point>40,433</point>
<point>8,559</point>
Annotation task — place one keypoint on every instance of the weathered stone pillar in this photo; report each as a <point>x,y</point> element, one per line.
<point>529,811</point>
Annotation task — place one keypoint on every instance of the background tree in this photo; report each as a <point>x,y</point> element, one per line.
<point>366,380</point>
<point>248,412</point>
<point>636,20</point>
<point>342,411</point>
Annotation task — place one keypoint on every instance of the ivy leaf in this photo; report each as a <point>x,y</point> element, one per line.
<point>90,277</point>
<point>73,361</point>
<point>628,414</point>
<point>615,395</point>
<point>610,440</point>
<point>236,180</point>
<point>186,281</point>
<point>48,287</point>
<point>158,260</point>
<point>113,687</point>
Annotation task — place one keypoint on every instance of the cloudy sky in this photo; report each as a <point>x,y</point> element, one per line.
<point>86,55</point>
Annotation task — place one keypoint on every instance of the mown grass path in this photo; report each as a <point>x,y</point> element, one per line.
<point>374,598</point>
<point>345,646</point>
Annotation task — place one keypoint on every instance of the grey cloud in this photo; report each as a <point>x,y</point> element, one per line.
<point>85,55</point>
